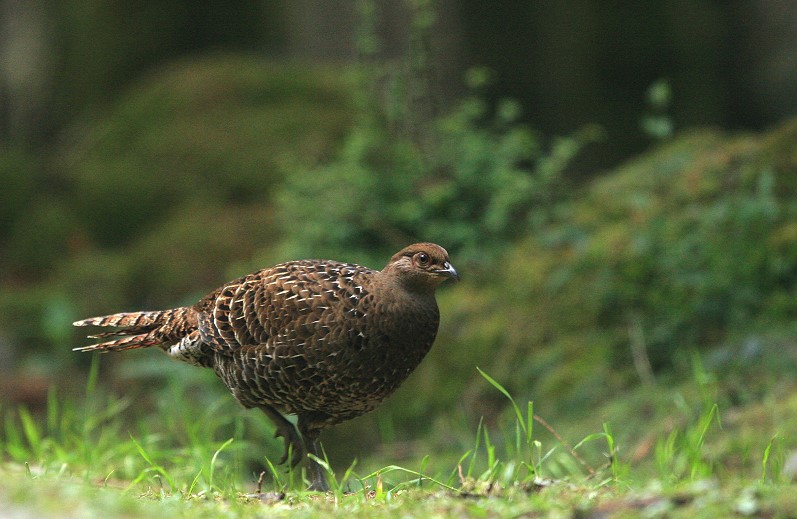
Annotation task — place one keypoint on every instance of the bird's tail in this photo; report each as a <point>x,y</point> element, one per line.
<point>136,329</point>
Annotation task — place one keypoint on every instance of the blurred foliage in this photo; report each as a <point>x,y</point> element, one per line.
<point>214,131</point>
<point>99,47</point>
<point>689,247</point>
<point>18,178</point>
<point>657,123</point>
<point>158,195</point>
<point>476,183</point>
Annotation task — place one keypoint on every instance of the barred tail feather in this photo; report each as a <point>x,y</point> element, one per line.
<point>133,320</point>
<point>144,340</point>
<point>137,330</point>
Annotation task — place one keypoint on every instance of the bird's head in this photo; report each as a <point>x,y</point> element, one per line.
<point>422,266</point>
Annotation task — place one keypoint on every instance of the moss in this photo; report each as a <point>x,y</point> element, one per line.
<point>690,242</point>
<point>223,128</point>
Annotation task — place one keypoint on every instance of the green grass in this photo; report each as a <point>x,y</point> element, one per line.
<point>678,451</point>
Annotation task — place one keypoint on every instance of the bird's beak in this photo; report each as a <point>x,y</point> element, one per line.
<point>448,271</point>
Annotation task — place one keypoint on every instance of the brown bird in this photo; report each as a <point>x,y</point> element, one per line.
<point>324,340</point>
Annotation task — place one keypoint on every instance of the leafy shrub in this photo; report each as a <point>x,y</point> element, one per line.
<point>479,181</point>
<point>690,247</point>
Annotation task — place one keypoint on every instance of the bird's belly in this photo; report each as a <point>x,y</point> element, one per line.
<point>339,382</point>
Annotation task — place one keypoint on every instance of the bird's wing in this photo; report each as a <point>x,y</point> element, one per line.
<point>291,305</point>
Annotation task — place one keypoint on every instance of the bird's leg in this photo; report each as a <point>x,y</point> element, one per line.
<point>317,474</point>
<point>318,477</point>
<point>293,441</point>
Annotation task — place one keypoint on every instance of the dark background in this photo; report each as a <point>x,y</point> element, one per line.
<point>568,63</point>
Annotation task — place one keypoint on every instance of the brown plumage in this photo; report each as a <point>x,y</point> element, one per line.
<point>323,340</point>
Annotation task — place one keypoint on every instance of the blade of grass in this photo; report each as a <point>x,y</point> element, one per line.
<point>765,461</point>
<point>31,432</point>
<point>530,422</point>
<point>394,468</point>
<point>458,467</point>
<point>275,475</point>
<point>194,483</point>
<point>503,391</point>
<point>348,474</point>
<point>52,410</point>
<point>153,467</point>
<point>475,447</point>
<point>213,462</point>
<point>94,374</point>
<point>424,463</point>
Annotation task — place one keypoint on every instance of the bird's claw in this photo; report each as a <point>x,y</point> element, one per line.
<point>293,446</point>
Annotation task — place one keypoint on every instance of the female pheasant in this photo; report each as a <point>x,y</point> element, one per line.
<point>324,340</point>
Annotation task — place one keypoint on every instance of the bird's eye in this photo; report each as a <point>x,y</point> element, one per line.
<point>423,259</point>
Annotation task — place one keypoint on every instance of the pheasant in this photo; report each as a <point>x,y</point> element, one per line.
<point>323,340</point>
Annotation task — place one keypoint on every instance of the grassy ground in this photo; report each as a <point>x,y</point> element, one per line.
<point>694,449</point>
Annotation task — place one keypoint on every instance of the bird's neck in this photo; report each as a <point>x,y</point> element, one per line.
<point>405,285</point>
<point>407,303</point>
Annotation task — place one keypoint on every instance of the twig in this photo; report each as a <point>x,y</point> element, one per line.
<point>260,482</point>
<point>639,353</point>
<point>569,447</point>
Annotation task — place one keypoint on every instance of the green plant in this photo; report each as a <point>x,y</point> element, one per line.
<point>681,454</point>
<point>482,185</point>
<point>475,179</point>
<point>657,123</point>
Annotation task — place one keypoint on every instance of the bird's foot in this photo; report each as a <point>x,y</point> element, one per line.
<point>294,447</point>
